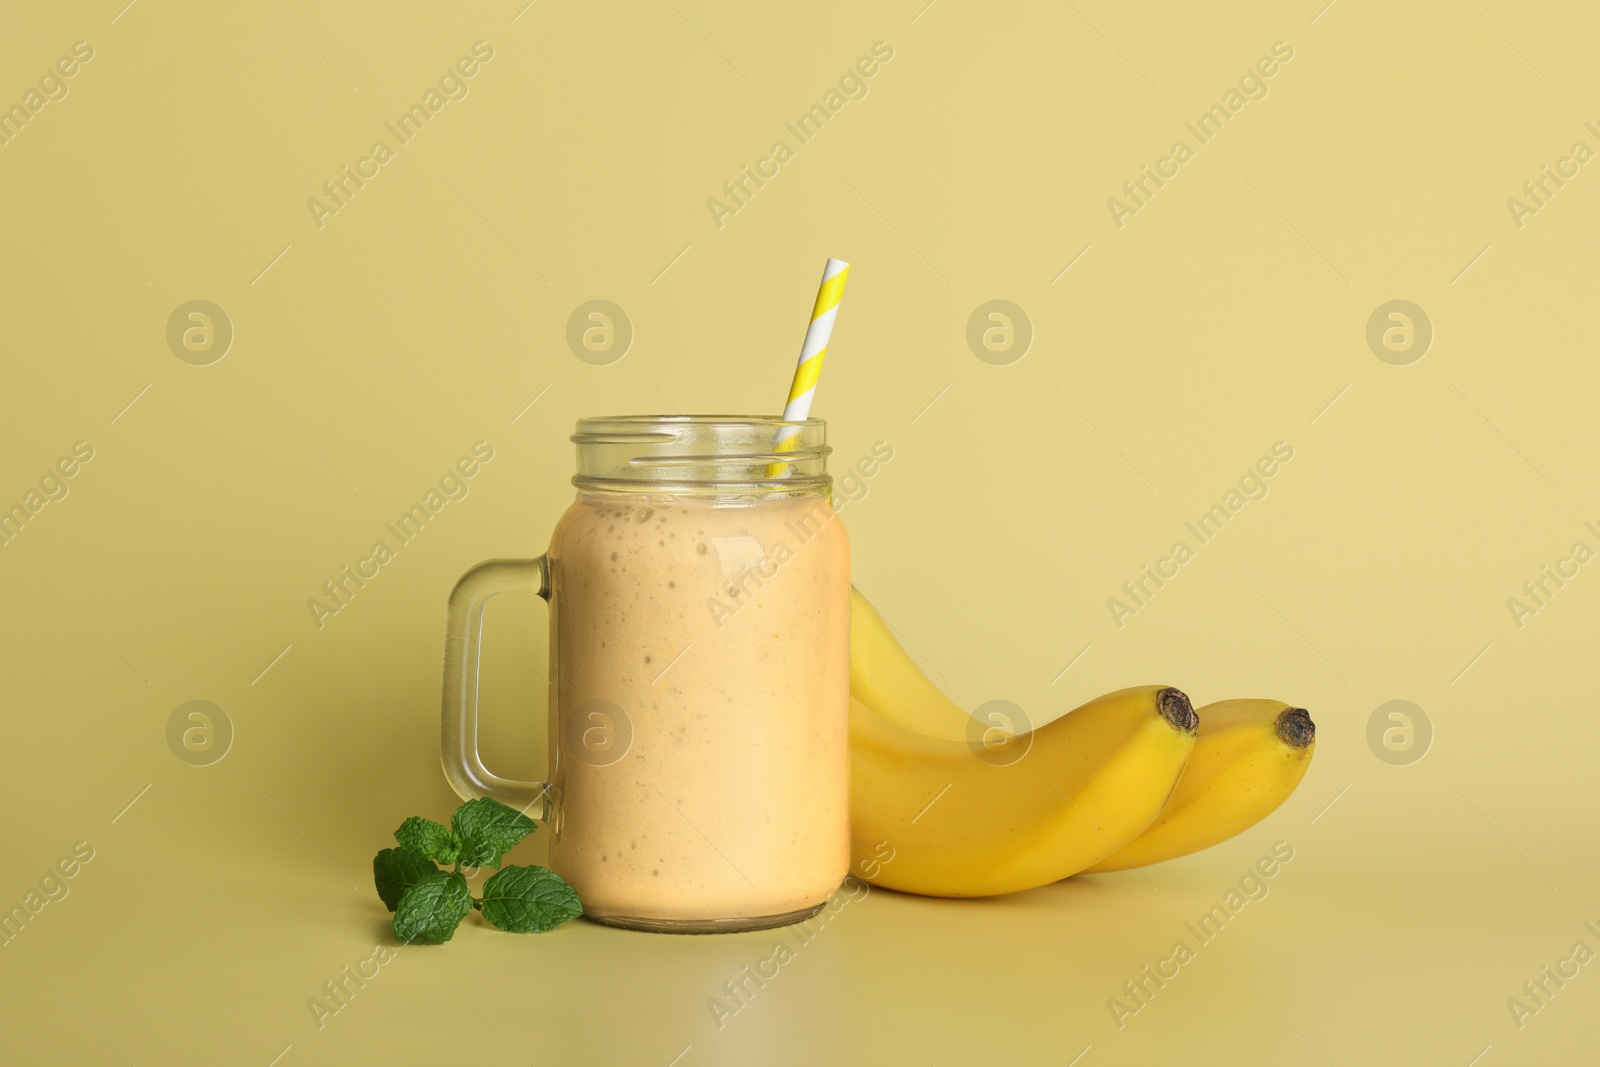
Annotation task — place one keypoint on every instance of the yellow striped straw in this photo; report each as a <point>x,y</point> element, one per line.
<point>809,369</point>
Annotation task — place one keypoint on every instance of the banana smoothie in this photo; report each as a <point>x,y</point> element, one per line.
<point>700,690</point>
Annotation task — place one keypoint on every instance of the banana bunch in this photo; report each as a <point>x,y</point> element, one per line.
<point>942,807</point>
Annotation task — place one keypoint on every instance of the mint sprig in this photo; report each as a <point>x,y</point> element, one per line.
<point>488,830</point>
<point>438,843</point>
<point>430,911</point>
<point>396,870</point>
<point>429,903</point>
<point>524,899</point>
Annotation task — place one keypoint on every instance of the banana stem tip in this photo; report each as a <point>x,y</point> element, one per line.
<point>1176,709</point>
<point>1295,728</point>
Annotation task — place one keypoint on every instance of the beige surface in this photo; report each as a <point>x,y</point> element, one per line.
<point>1228,314</point>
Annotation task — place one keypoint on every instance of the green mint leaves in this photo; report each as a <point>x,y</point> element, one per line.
<point>429,903</point>
<point>430,911</point>
<point>396,870</point>
<point>488,830</point>
<point>529,899</point>
<point>438,843</point>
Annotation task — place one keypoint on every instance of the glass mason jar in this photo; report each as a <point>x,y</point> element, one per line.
<point>699,596</point>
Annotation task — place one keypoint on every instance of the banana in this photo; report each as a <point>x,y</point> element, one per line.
<point>944,817</point>
<point>1249,757</point>
<point>887,681</point>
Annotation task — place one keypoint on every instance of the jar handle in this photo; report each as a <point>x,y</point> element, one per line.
<point>463,651</point>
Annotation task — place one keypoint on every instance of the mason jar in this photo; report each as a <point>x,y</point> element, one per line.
<point>699,593</point>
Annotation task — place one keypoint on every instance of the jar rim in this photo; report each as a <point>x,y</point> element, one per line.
<point>727,452</point>
<point>598,424</point>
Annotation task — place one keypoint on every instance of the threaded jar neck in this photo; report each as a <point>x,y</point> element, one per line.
<point>711,455</point>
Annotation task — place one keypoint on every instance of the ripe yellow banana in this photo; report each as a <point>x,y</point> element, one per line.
<point>887,681</point>
<point>942,817</point>
<point>1249,757</point>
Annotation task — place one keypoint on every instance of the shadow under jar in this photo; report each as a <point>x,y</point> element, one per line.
<point>699,590</point>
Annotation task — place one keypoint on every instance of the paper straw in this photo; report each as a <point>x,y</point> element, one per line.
<point>809,368</point>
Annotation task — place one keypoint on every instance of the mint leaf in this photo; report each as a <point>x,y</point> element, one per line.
<point>430,911</point>
<point>488,830</point>
<point>529,899</point>
<point>395,870</point>
<point>433,840</point>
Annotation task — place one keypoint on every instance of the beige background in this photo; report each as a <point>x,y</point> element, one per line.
<point>1228,314</point>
